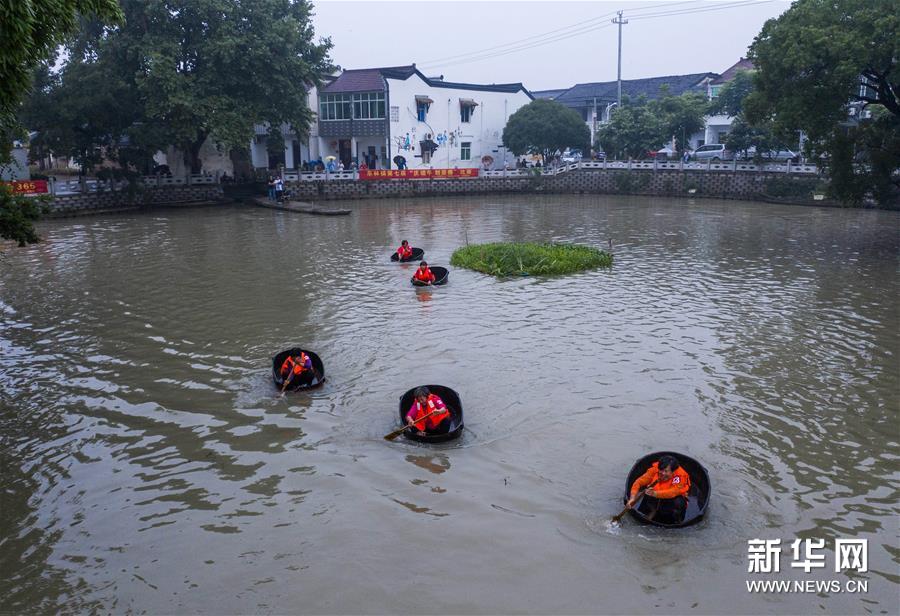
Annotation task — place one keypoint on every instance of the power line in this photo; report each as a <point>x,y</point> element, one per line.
<point>579,28</point>
<point>487,56</point>
<point>702,9</point>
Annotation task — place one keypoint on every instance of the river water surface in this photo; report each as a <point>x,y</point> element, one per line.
<point>148,464</point>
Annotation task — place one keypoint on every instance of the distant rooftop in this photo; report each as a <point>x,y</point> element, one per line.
<point>547,93</point>
<point>741,65</point>
<point>369,79</point>
<point>583,94</point>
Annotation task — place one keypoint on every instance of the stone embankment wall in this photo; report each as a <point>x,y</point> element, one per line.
<point>86,203</point>
<point>725,184</point>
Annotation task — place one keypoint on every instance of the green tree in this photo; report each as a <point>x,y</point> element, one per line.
<point>813,61</point>
<point>731,97</point>
<point>633,130</point>
<point>181,71</point>
<point>681,117</point>
<point>643,126</point>
<point>545,127</point>
<point>30,31</point>
<point>17,216</point>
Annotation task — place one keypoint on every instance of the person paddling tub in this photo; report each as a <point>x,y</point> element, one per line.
<point>425,404</point>
<point>665,488</point>
<point>301,367</point>
<point>405,251</point>
<point>424,273</point>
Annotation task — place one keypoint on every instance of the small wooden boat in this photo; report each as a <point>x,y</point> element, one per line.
<point>454,404</point>
<point>698,497</point>
<point>309,380</point>
<point>440,277</point>
<point>417,255</point>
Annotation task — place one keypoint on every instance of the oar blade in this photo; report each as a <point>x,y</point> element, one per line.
<point>395,433</point>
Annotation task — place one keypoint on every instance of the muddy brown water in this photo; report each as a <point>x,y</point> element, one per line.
<point>149,466</point>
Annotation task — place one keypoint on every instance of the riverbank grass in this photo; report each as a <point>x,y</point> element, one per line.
<point>529,259</point>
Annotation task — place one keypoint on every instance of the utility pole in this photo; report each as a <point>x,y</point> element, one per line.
<point>618,20</point>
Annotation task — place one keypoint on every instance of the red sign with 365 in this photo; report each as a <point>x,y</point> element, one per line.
<point>28,187</point>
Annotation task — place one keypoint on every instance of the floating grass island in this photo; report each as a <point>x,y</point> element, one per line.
<point>529,259</point>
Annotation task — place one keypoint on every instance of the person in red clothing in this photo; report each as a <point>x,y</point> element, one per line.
<point>424,404</point>
<point>298,365</point>
<point>664,488</point>
<point>424,274</point>
<point>405,250</point>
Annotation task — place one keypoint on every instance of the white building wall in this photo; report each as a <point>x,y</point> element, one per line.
<point>443,123</point>
<point>17,168</point>
<point>715,125</point>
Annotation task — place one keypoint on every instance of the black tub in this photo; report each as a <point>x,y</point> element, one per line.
<point>307,381</point>
<point>440,277</point>
<point>417,255</point>
<point>454,404</point>
<point>698,497</point>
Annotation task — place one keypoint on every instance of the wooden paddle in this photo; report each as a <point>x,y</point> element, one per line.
<point>287,382</point>
<point>618,518</point>
<point>399,431</point>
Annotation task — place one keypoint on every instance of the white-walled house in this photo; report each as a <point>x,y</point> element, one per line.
<point>718,126</point>
<point>297,148</point>
<point>373,115</point>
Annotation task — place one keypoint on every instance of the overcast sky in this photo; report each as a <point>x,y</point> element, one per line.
<point>579,42</point>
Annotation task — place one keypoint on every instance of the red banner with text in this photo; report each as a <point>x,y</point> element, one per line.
<point>416,174</point>
<point>28,187</point>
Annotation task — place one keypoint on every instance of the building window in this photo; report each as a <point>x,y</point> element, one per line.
<point>335,107</point>
<point>714,91</point>
<point>368,106</point>
<point>422,105</point>
<point>465,150</point>
<point>466,109</point>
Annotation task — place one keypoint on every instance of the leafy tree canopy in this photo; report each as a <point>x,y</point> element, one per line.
<point>30,31</point>
<point>544,126</point>
<point>816,59</point>
<point>731,97</point>
<point>638,127</point>
<point>179,71</point>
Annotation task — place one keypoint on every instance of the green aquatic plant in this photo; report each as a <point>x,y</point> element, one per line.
<point>529,259</point>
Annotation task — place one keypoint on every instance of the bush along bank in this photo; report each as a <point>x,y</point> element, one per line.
<point>529,259</point>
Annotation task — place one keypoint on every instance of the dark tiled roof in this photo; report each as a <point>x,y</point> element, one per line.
<point>369,79</point>
<point>584,93</point>
<point>547,93</point>
<point>494,87</point>
<point>741,65</point>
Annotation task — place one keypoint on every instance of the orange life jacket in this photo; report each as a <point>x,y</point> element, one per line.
<point>404,252</point>
<point>425,275</point>
<point>679,484</point>
<point>434,403</point>
<point>299,365</point>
